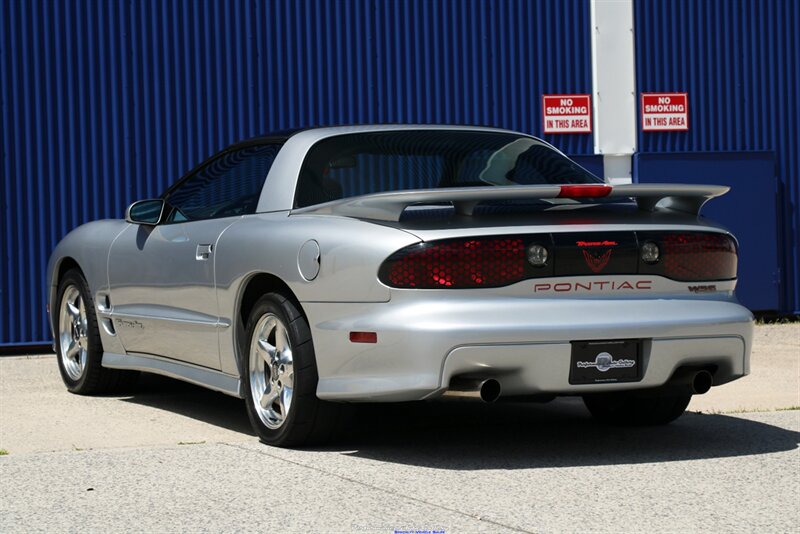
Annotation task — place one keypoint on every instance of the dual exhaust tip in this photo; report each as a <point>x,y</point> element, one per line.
<point>489,390</point>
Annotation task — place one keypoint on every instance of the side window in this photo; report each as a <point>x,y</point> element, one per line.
<point>227,186</point>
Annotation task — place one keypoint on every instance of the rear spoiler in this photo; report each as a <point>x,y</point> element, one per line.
<point>390,206</point>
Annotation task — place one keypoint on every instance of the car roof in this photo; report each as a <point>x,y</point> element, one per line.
<point>280,136</point>
<point>314,133</point>
<point>279,190</point>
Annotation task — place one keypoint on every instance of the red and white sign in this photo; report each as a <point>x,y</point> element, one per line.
<point>665,112</point>
<point>567,114</point>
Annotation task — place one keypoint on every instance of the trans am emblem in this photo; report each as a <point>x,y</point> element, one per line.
<point>597,262</point>
<point>605,361</point>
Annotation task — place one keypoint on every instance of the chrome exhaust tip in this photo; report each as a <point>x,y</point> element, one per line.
<point>697,381</point>
<point>485,389</point>
<point>490,390</point>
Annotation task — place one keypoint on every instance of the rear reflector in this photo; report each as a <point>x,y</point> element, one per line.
<point>584,191</point>
<point>363,337</point>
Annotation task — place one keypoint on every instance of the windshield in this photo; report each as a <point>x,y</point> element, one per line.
<point>359,164</point>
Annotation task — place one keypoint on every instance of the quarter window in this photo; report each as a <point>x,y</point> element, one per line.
<point>229,185</point>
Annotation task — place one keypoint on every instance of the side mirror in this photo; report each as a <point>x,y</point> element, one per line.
<point>147,212</point>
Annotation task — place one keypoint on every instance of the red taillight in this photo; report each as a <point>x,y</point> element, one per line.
<point>698,256</point>
<point>456,264</point>
<point>584,191</point>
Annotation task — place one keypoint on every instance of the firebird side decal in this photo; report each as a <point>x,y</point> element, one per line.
<point>124,323</point>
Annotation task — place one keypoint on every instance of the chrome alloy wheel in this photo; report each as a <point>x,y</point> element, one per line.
<point>73,331</point>
<point>271,371</point>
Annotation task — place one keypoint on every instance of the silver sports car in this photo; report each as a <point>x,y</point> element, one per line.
<point>315,268</point>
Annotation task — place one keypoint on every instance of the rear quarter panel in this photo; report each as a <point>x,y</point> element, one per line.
<point>351,251</point>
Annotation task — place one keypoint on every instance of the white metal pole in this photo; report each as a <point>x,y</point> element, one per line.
<point>614,86</point>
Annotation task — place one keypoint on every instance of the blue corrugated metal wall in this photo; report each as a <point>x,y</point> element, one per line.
<point>739,60</point>
<point>105,102</point>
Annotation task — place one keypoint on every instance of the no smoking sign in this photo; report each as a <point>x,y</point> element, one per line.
<point>665,112</point>
<point>564,114</point>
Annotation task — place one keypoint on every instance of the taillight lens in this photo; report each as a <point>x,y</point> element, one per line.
<point>698,256</point>
<point>458,263</point>
<point>496,261</point>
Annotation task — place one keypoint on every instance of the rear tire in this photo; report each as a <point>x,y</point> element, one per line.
<point>632,409</point>
<point>280,377</point>
<point>78,345</point>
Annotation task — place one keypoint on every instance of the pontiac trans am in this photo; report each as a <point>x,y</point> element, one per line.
<point>311,269</point>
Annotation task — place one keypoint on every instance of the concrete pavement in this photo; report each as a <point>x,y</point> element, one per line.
<point>505,469</point>
<point>177,458</point>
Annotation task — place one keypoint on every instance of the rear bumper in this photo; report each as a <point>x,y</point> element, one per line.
<point>523,343</point>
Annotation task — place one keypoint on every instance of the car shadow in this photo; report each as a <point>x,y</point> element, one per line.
<point>504,435</point>
<point>467,436</point>
<point>186,399</point>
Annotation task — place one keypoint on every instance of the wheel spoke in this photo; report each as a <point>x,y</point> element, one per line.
<point>267,398</point>
<point>266,351</point>
<point>288,374</point>
<point>285,356</point>
<point>281,406</point>
<point>285,401</point>
<point>73,310</point>
<point>73,350</point>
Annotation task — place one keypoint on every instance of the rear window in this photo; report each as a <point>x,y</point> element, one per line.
<point>358,164</point>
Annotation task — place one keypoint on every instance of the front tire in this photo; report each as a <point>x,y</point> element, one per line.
<point>280,377</point>
<point>78,345</point>
<point>632,409</point>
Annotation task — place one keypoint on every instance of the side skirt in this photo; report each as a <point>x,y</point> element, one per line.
<point>194,374</point>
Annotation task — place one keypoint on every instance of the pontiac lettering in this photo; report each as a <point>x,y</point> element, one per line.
<point>595,286</point>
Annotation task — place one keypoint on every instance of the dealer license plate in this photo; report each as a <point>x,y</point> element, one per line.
<point>597,362</point>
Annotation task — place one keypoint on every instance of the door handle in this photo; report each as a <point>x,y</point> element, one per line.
<point>203,252</point>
